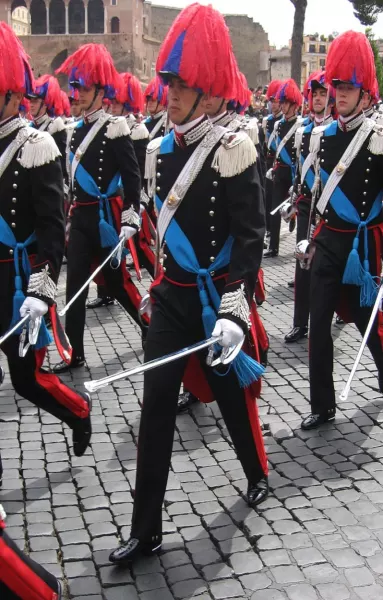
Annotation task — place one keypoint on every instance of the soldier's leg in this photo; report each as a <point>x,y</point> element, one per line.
<point>121,286</point>
<point>302,276</point>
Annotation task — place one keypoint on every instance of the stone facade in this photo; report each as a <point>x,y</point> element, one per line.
<point>131,29</point>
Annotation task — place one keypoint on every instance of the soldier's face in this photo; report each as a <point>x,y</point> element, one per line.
<point>116,108</point>
<point>214,106</point>
<point>37,108</point>
<point>319,100</point>
<point>75,108</point>
<point>153,106</point>
<point>275,106</point>
<point>181,100</point>
<point>348,100</point>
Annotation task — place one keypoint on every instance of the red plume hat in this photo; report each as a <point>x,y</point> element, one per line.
<point>198,50</point>
<point>273,88</point>
<point>65,104</point>
<point>48,89</point>
<point>90,65</point>
<point>15,72</point>
<point>156,90</point>
<point>375,93</point>
<point>315,81</point>
<point>73,94</point>
<point>350,59</point>
<point>289,92</point>
<point>129,93</point>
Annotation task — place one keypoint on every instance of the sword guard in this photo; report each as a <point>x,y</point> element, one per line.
<point>32,328</point>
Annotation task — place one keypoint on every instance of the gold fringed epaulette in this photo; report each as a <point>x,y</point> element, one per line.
<point>375,145</point>
<point>316,136</point>
<point>139,132</point>
<point>117,127</point>
<point>235,154</point>
<point>56,125</point>
<point>39,149</point>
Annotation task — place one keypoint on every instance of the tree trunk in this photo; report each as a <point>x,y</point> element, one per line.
<point>297,40</point>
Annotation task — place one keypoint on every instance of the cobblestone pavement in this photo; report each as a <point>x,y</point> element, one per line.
<point>318,536</point>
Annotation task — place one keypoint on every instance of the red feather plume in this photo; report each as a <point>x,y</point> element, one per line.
<point>289,92</point>
<point>15,72</point>
<point>49,85</point>
<point>350,58</point>
<point>198,49</point>
<point>273,88</point>
<point>90,65</point>
<point>129,92</point>
<point>157,91</point>
<point>65,104</point>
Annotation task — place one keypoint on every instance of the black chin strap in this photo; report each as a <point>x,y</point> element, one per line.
<point>94,100</point>
<point>220,108</point>
<point>356,105</point>
<point>39,111</point>
<point>192,110</point>
<point>6,102</point>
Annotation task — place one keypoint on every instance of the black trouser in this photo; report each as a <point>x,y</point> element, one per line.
<point>175,323</point>
<point>84,247</point>
<point>44,390</point>
<point>268,192</point>
<point>332,250</point>
<point>281,185</point>
<point>302,276</point>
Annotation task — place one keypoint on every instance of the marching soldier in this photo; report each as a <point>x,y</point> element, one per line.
<point>222,199</point>
<point>102,154</point>
<point>156,95</point>
<point>348,240</point>
<point>268,125</point>
<point>32,244</point>
<point>290,100</point>
<point>46,108</point>
<point>304,181</point>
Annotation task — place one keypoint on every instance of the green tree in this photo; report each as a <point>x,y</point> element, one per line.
<point>378,61</point>
<point>367,11</point>
<point>297,39</point>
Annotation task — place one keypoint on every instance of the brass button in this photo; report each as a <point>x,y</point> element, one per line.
<point>16,173</point>
<point>366,181</point>
<point>367,170</point>
<point>99,178</point>
<point>14,200</point>
<point>13,212</point>
<point>11,252</point>
<point>364,193</point>
<point>100,168</point>
<point>322,160</point>
<point>165,256</point>
<point>369,159</point>
<point>211,213</point>
<point>215,183</point>
<point>164,269</point>
<point>212,259</point>
<point>101,152</point>
<point>172,200</point>
<point>362,214</point>
<point>158,174</point>
<point>159,161</point>
<point>326,211</point>
<point>158,188</point>
<point>13,225</point>
<point>326,220</point>
<point>212,273</point>
<point>213,243</point>
<point>103,143</point>
<point>212,228</point>
<point>14,186</point>
<point>212,199</point>
<point>363,203</point>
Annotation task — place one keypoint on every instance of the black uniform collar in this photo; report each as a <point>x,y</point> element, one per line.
<point>93,116</point>
<point>350,123</point>
<point>223,119</point>
<point>10,125</point>
<point>193,132</point>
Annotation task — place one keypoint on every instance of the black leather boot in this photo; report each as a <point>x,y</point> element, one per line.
<point>82,431</point>
<point>297,333</point>
<point>62,367</point>
<point>185,401</point>
<point>133,549</point>
<point>270,253</point>
<point>258,492</point>
<point>291,283</point>
<point>315,420</point>
<point>98,302</point>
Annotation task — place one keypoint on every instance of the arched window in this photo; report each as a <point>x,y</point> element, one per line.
<point>56,63</point>
<point>76,16</point>
<point>38,17</point>
<point>57,17</point>
<point>96,16</point>
<point>114,25</point>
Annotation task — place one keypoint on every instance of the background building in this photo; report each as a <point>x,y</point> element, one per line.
<point>20,21</point>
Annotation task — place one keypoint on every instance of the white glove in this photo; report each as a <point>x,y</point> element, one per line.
<point>127,232</point>
<point>34,306</point>
<point>232,334</point>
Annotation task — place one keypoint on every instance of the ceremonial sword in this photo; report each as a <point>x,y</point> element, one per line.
<point>115,251</point>
<point>347,387</point>
<point>93,386</point>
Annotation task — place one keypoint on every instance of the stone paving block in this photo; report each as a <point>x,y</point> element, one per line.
<point>189,589</point>
<point>301,591</point>
<point>271,594</point>
<point>112,576</point>
<point>122,592</point>
<point>274,558</point>
<point>255,581</point>
<point>323,573</point>
<point>332,591</point>
<point>285,575</point>
<point>229,588</point>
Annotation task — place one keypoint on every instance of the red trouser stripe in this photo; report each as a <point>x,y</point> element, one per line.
<point>20,578</point>
<point>252,411</point>
<point>60,392</point>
